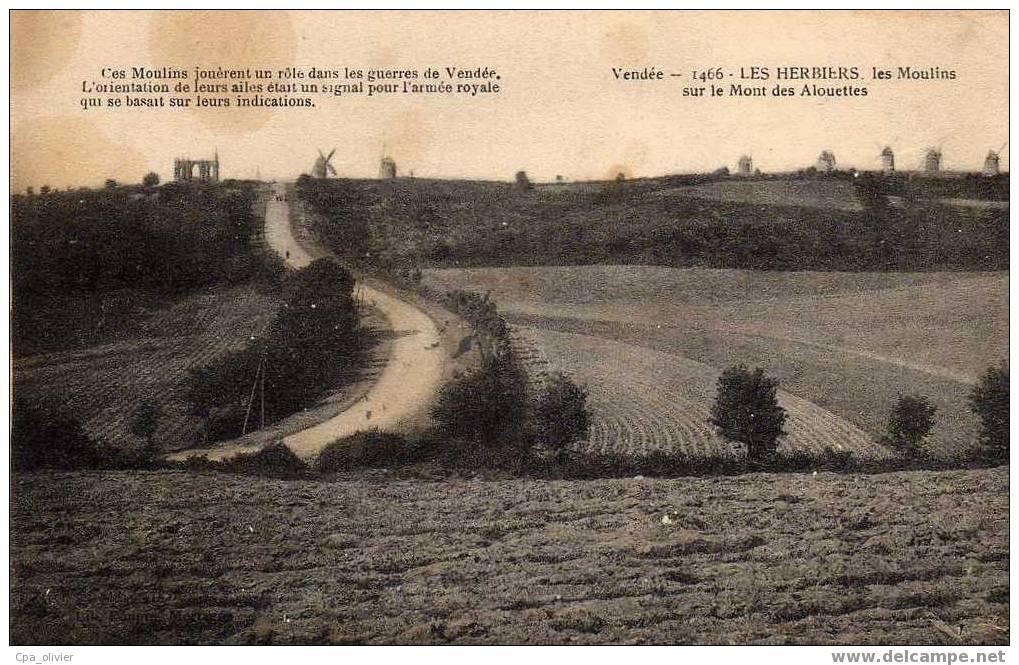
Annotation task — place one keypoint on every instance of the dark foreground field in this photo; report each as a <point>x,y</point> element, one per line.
<point>172,557</point>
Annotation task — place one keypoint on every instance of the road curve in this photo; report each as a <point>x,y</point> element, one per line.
<point>409,380</point>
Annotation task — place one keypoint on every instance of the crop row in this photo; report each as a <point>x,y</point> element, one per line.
<point>104,386</point>
<point>641,400</point>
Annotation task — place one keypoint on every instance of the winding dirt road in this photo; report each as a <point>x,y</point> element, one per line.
<point>404,387</point>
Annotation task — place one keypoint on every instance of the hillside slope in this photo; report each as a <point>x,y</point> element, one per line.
<point>851,343</point>
<point>106,385</point>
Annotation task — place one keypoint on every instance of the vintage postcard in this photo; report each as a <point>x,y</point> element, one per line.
<point>510,328</point>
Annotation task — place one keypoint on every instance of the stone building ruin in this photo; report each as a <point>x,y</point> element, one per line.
<point>184,169</point>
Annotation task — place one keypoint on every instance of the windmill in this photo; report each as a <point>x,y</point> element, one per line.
<point>992,163</point>
<point>887,160</point>
<point>931,164</point>
<point>387,166</point>
<point>323,167</point>
<point>745,166</point>
<point>901,158</point>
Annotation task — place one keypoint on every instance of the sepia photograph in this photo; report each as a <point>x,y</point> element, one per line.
<point>510,328</point>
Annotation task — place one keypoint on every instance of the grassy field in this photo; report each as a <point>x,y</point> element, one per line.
<point>650,341</point>
<point>834,194</point>
<point>780,224</point>
<point>178,558</point>
<point>105,385</point>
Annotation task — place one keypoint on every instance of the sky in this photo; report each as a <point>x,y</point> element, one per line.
<point>561,111</point>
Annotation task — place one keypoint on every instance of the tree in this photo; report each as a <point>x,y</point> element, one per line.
<point>45,189</point>
<point>151,179</point>
<point>911,420</point>
<point>146,423</point>
<point>322,283</point>
<point>43,438</point>
<point>746,410</point>
<point>560,416</point>
<point>522,181</point>
<point>110,183</point>
<point>989,400</point>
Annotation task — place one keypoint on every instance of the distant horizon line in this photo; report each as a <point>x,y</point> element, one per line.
<point>952,173</point>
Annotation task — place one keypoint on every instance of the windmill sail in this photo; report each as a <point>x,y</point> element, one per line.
<point>323,166</point>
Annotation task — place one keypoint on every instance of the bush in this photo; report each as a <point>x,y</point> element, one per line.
<point>588,465</point>
<point>829,459</point>
<point>364,449</point>
<point>322,278</point>
<point>313,344</point>
<point>989,400</point>
<point>490,406</point>
<point>560,415</point>
<point>480,312</point>
<point>911,420</point>
<point>485,406</point>
<point>522,181</point>
<point>746,410</point>
<point>219,392</point>
<point>44,440</point>
<point>274,461</point>
<point>342,215</point>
